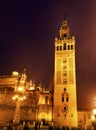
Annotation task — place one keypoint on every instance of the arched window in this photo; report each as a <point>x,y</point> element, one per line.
<point>65,35</point>
<point>64,46</point>
<point>65,108</point>
<point>62,99</point>
<point>67,99</point>
<point>71,47</point>
<point>60,48</point>
<point>68,47</point>
<point>57,48</point>
<point>64,89</point>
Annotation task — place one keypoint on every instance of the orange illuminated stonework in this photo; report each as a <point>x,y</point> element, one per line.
<point>65,99</point>
<point>22,100</point>
<point>37,106</point>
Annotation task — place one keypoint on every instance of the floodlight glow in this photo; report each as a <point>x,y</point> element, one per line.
<point>94,111</point>
<point>31,88</point>
<point>93,118</point>
<point>13,98</point>
<point>20,89</point>
<point>16,96</point>
<point>21,99</point>
<point>24,97</point>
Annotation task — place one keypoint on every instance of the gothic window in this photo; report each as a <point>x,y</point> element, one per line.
<point>64,46</point>
<point>60,48</point>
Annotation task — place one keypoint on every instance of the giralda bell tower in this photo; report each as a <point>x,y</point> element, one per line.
<point>65,99</point>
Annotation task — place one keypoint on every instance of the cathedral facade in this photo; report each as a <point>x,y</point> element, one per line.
<point>22,100</point>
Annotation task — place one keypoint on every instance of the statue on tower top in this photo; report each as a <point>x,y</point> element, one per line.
<point>64,30</point>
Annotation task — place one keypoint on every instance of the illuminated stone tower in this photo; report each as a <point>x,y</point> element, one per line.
<point>65,100</point>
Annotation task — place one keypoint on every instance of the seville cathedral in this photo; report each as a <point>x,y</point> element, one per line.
<point>23,100</point>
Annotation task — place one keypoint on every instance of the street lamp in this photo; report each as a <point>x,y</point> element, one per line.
<point>18,99</point>
<point>19,96</point>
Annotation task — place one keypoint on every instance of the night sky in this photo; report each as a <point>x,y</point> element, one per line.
<point>27,33</point>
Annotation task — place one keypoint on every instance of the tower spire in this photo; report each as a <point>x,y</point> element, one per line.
<point>64,30</point>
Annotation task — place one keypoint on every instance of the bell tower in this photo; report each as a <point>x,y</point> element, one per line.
<point>65,99</point>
